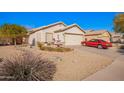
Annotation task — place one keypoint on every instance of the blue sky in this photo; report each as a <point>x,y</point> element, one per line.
<point>86,20</point>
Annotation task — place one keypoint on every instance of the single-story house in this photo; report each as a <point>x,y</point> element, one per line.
<point>100,34</point>
<point>117,37</point>
<point>68,35</point>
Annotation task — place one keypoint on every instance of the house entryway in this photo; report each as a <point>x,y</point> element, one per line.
<point>49,37</point>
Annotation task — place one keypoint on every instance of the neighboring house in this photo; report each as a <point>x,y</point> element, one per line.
<point>68,35</point>
<point>117,37</point>
<point>10,41</point>
<point>100,34</point>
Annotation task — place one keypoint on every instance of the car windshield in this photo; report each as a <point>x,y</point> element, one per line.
<point>93,40</point>
<point>103,41</point>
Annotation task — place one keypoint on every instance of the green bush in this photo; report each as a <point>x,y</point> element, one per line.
<point>27,67</point>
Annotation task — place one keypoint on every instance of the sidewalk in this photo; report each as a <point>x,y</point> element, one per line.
<point>114,72</point>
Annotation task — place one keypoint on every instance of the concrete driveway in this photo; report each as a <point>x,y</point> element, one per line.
<point>110,52</point>
<point>115,71</point>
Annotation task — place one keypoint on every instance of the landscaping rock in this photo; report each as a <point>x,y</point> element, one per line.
<point>55,59</point>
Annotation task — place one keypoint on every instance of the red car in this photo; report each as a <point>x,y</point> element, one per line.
<point>99,43</point>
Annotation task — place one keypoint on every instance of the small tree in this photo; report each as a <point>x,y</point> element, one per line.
<point>119,23</point>
<point>12,31</point>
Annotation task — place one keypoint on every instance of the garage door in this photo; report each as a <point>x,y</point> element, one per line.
<point>73,39</point>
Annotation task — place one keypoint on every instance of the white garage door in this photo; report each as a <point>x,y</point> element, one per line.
<point>73,39</point>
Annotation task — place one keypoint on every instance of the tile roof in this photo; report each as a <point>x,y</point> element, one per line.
<point>98,32</point>
<point>68,27</point>
<point>45,27</point>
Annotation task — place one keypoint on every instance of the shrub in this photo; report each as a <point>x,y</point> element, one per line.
<point>68,49</point>
<point>59,49</point>
<point>49,44</point>
<point>27,67</point>
<point>40,45</point>
<point>62,49</point>
<point>43,48</point>
<point>49,48</point>
<point>121,47</point>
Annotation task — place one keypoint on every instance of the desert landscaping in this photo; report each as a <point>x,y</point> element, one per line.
<point>60,51</point>
<point>73,65</point>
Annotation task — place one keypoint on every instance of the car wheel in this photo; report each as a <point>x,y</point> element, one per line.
<point>99,46</point>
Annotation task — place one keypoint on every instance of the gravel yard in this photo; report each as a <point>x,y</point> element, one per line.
<point>75,65</point>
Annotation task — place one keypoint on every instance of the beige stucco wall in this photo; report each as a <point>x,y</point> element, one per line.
<point>31,37</point>
<point>61,36</point>
<point>74,30</point>
<point>40,36</point>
